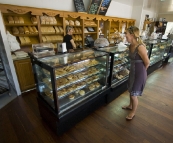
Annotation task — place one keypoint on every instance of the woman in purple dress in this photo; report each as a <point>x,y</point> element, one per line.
<point>138,69</point>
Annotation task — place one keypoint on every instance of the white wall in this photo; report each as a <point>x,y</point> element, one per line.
<point>119,10</point>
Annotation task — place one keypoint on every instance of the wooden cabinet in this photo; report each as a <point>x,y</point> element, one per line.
<point>25,74</point>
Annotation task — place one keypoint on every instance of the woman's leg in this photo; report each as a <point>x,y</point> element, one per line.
<point>130,104</point>
<point>134,101</point>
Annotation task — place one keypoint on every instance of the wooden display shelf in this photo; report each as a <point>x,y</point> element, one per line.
<point>29,35</point>
<point>77,33</point>
<point>77,40</point>
<point>90,33</point>
<point>51,24</point>
<point>20,24</point>
<point>52,34</point>
<point>90,26</point>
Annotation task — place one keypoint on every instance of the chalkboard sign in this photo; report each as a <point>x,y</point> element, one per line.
<point>104,7</point>
<point>94,6</point>
<point>79,5</point>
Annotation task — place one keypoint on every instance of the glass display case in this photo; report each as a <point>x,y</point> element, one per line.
<point>157,52</point>
<point>118,64</point>
<point>148,44</point>
<point>167,48</point>
<point>64,81</point>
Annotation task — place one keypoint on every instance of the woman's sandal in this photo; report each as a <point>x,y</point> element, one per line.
<point>126,108</point>
<point>128,118</point>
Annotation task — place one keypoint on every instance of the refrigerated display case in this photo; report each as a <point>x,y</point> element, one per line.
<point>68,82</point>
<point>119,70</point>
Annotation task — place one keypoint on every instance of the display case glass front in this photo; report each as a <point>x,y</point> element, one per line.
<point>119,65</point>
<point>167,48</point>
<point>157,52</point>
<point>64,81</point>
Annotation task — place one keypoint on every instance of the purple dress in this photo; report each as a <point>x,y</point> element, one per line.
<point>137,75</point>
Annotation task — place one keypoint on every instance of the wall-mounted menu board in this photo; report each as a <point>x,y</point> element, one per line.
<point>94,6</point>
<point>104,7</point>
<point>79,5</point>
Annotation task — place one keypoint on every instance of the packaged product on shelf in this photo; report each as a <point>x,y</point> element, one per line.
<point>21,30</point>
<point>31,31</point>
<point>44,39</point>
<point>10,19</point>
<point>35,30</point>
<point>50,20</point>
<point>26,30</point>
<point>71,23</point>
<point>66,22</point>
<point>34,20</point>
<point>61,29</point>
<point>77,23</point>
<point>57,29</point>
<point>47,20</point>
<point>22,40</point>
<point>21,20</point>
<point>16,19</point>
<point>15,30</point>
<point>54,20</point>
<point>42,20</point>
<point>27,39</point>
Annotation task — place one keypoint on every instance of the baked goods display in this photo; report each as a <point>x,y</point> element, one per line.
<point>89,23</point>
<point>24,40</point>
<point>66,22</point>
<point>71,96</point>
<point>34,20</point>
<point>82,92</point>
<point>10,19</point>
<point>48,20</point>
<point>15,30</point>
<point>71,23</point>
<point>52,38</point>
<point>77,23</point>
<point>123,73</point>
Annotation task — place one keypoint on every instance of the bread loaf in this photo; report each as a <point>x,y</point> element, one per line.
<point>21,20</point>
<point>42,20</point>
<point>80,30</point>
<point>27,39</point>
<point>57,29</point>
<point>21,30</point>
<point>15,30</point>
<point>80,37</point>
<point>31,31</point>
<point>10,19</point>
<point>44,39</point>
<point>54,20</point>
<point>16,19</point>
<point>61,29</point>
<point>77,23</point>
<point>71,23</point>
<point>47,20</point>
<point>26,30</point>
<point>66,22</point>
<point>34,20</point>
<point>22,40</point>
<point>35,30</point>
<point>51,20</point>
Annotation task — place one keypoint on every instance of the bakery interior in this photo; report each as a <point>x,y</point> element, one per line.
<point>69,86</point>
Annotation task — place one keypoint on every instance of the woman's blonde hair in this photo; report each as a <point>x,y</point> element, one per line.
<point>135,30</point>
<point>68,28</point>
